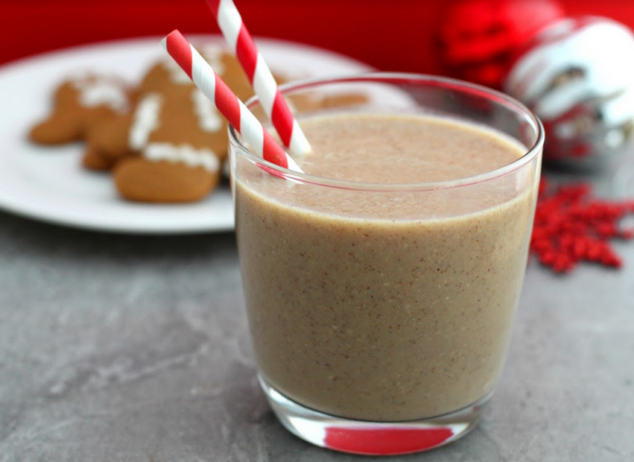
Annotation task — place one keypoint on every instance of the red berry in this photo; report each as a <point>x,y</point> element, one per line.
<point>571,227</point>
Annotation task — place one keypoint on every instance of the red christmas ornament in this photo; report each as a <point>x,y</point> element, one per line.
<point>478,38</point>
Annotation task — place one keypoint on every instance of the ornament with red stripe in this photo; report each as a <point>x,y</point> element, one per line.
<point>242,45</point>
<point>577,75</point>
<point>236,113</point>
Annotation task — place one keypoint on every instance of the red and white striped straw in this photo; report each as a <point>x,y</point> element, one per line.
<point>242,45</point>
<point>226,101</point>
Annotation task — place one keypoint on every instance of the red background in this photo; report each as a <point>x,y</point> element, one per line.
<point>392,35</point>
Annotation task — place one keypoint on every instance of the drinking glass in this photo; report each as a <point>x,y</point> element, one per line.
<point>380,313</point>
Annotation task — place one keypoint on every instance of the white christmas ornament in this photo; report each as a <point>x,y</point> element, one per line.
<point>578,77</point>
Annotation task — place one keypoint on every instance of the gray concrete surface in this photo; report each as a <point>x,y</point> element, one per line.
<point>135,349</point>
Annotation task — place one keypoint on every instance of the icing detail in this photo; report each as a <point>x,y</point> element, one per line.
<point>186,154</point>
<point>208,118</point>
<point>98,91</point>
<point>146,120</point>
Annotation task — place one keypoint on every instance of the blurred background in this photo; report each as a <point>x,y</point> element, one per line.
<point>400,41</point>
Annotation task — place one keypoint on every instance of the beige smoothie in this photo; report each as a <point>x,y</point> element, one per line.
<point>384,303</point>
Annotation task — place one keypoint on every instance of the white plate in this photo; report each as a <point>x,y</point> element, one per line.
<point>49,184</point>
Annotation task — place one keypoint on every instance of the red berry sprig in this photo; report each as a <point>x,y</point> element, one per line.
<point>571,227</point>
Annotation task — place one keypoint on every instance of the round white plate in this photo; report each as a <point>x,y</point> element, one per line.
<point>49,184</point>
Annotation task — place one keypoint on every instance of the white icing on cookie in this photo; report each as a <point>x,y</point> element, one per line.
<point>186,154</point>
<point>208,118</point>
<point>146,120</point>
<point>97,91</point>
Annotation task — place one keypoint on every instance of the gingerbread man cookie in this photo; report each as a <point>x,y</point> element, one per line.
<point>79,104</point>
<point>179,144</point>
<point>106,144</point>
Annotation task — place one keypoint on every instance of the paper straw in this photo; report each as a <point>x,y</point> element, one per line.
<point>226,101</point>
<point>242,45</point>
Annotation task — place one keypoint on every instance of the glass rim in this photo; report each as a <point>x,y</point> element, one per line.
<point>393,77</point>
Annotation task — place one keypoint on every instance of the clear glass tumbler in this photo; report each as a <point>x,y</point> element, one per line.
<point>380,314</point>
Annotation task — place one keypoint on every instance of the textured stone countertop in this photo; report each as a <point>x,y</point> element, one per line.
<point>135,349</point>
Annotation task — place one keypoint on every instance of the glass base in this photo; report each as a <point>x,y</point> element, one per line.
<point>372,438</point>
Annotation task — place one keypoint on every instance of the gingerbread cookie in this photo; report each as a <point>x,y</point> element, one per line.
<point>107,145</point>
<point>79,104</point>
<point>170,150</point>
